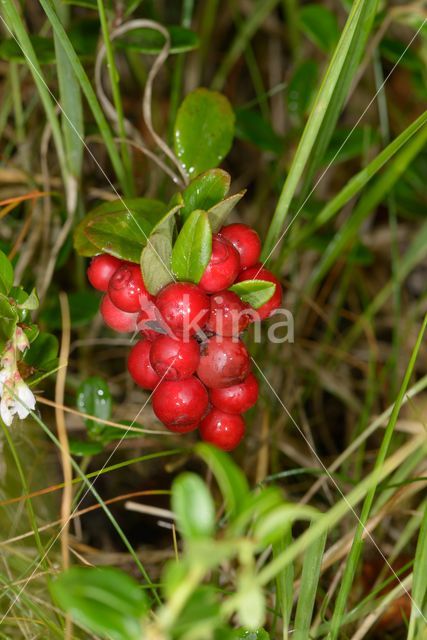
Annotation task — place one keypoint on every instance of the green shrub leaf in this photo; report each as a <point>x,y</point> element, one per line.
<point>193,248</point>
<point>205,191</point>
<point>254,292</point>
<point>204,130</point>
<point>193,506</point>
<point>94,398</point>
<point>6,274</point>
<point>219,212</point>
<point>106,601</point>
<point>320,25</point>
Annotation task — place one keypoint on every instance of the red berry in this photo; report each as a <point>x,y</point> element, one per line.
<point>139,366</point>
<point>184,307</point>
<point>116,318</point>
<point>127,286</point>
<point>223,266</point>
<point>180,402</point>
<point>228,315</point>
<point>223,362</point>
<point>101,269</point>
<point>182,428</point>
<point>245,240</point>
<point>238,398</point>
<point>259,273</point>
<point>173,358</point>
<point>224,430</point>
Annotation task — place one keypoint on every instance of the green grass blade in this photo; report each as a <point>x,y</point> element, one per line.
<point>17,27</point>
<point>333,79</point>
<point>308,588</point>
<point>357,545</point>
<point>87,89</point>
<point>284,583</point>
<point>367,204</point>
<point>419,585</point>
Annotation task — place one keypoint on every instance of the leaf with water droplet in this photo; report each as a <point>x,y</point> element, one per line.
<point>94,399</point>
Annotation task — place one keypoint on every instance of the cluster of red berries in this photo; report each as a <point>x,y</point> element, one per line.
<point>190,353</point>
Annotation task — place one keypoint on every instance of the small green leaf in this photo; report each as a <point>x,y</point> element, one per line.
<point>231,480</point>
<point>251,127</point>
<point>193,248</point>
<point>131,220</point>
<point>204,130</point>
<point>43,350</point>
<point>156,262</point>
<point>43,47</point>
<point>218,213</point>
<point>320,25</point>
<point>301,87</point>
<point>193,506</point>
<point>151,41</point>
<point>246,634</point>
<point>205,191</point>
<point>31,302</point>
<point>251,602</point>
<point>94,398</point>
<point>6,274</point>
<point>106,601</point>
<point>31,331</point>
<point>82,448</point>
<point>8,320</point>
<point>254,292</point>
<point>271,526</point>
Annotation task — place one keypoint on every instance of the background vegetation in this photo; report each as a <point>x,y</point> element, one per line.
<point>318,528</point>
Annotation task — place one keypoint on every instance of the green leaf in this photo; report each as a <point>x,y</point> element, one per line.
<point>205,191</point>
<point>193,247</point>
<point>6,274</point>
<point>200,614</point>
<point>8,320</point>
<point>106,601</point>
<point>42,351</point>
<point>30,303</point>
<point>320,25</point>
<point>43,48</point>
<point>156,262</point>
<point>140,213</point>
<point>82,448</point>
<point>254,292</point>
<point>151,41</point>
<point>301,87</point>
<point>218,214</point>
<point>246,634</point>
<point>193,506</point>
<point>94,398</point>
<point>231,480</point>
<point>251,602</point>
<point>252,127</point>
<point>204,130</point>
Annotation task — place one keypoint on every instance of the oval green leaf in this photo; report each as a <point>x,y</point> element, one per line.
<point>204,130</point>
<point>193,248</point>
<point>125,223</point>
<point>205,191</point>
<point>82,448</point>
<point>320,25</point>
<point>156,262</point>
<point>6,274</point>
<point>193,506</point>
<point>106,601</point>
<point>219,213</point>
<point>94,398</point>
<point>254,292</point>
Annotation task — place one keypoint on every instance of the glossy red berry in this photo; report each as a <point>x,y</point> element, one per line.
<point>173,358</point>
<point>184,307</point>
<point>223,362</point>
<point>180,402</point>
<point>115,318</point>
<point>245,240</point>
<point>139,365</point>
<point>238,398</point>
<point>228,314</point>
<point>126,287</point>
<point>223,266</point>
<point>259,273</point>
<point>224,430</point>
<point>101,269</point>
